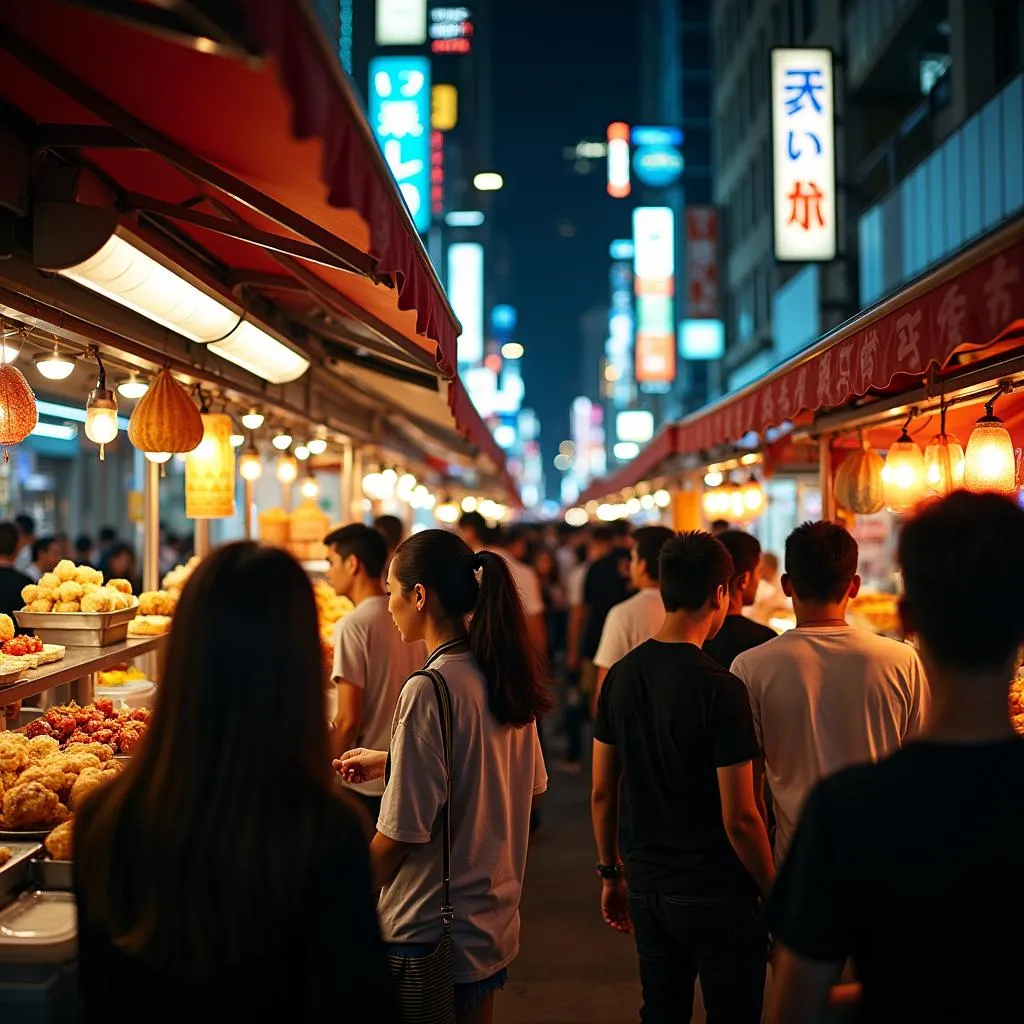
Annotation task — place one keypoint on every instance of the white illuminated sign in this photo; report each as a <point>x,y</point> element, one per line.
<point>618,160</point>
<point>654,285</point>
<point>636,425</point>
<point>401,22</point>
<point>803,155</point>
<point>464,218</point>
<point>466,292</point>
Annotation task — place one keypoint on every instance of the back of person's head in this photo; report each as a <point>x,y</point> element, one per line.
<point>41,547</point>
<point>235,764</point>
<point>821,562</point>
<point>719,526</point>
<point>622,531</point>
<point>601,534</point>
<point>446,569</point>
<point>695,569</point>
<point>108,534</point>
<point>962,561</point>
<point>83,544</point>
<point>518,541</point>
<point>647,544</point>
<point>745,550</point>
<point>392,529</point>
<point>10,540</point>
<point>26,524</point>
<point>474,525</point>
<point>366,544</point>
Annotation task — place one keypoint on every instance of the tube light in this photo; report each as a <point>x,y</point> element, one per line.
<point>488,181</point>
<point>122,272</point>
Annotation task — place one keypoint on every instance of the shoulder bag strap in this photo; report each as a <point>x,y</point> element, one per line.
<point>444,708</point>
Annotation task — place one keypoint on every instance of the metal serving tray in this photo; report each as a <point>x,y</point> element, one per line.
<point>79,629</point>
<point>17,871</point>
<point>54,874</point>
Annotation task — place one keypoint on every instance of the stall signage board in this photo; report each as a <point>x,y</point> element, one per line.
<point>654,286</point>
<point>401,22</point>
<point>702,299</point>
<point>657,161</point>
<point>400,117</point>
<point>803,155</point>
<point>466,294</point>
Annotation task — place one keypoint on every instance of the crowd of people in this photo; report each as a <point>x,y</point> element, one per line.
<point>841,803</point>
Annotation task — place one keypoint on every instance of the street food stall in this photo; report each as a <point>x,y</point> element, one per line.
<point>215,270</point>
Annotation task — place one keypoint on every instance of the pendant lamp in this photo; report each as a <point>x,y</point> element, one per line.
<point>210,470</point>
<point>18,412</point>
<point>903,475</point>
<point>990,462</point>
<point>944,461</point>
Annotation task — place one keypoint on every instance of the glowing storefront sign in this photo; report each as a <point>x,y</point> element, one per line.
<point>466,293</point>
<point>444,107</point>
<point>657,161</point>
<point>437,174</point>
<point>451,30</point>
<point>636,425</point>
<point>654,286</point>
<point>803,155</point>
<point>400,117</point>
<point>401,22</point>
<point>618,160</point>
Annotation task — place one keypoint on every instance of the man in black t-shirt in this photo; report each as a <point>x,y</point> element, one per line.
<point>674,733</point>
<point>738,633</point>
<point>911,866</point>
<point>12,581</point>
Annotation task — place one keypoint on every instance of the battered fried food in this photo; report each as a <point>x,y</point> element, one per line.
<point>5,855</point>
<point>41,604</point>
<point>100,750</point>
<point>86,575</point>
<point>49,581</point>
<point>156,602</point>
<point>60,842</point>
<point>6,628</point>
<point>30,593</point>
<point>32,805</point>
<point>50,773</point>
<point>67,606</point>
<point>79,762</point>
<point>13,752</point>
<point>69,591</point>
<point>89,780</point>
<point>122,585</point>
<point>98,601</point>
<point>41,748</point>
<point>65,570</point>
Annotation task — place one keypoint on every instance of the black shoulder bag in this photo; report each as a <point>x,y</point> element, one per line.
<point>425,985</point>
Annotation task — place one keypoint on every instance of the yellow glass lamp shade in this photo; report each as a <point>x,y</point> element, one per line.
<point>944,464</point>
<point>210,471</point>
<point>287,469</point>
<point>716,502</point>
<point>990,461</point>
<point>753,498</point>
<point>903,475</point>
<point>18,412</point>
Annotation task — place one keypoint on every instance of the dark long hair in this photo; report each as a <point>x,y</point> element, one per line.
<point>193,858</point>
<point>445,566</point>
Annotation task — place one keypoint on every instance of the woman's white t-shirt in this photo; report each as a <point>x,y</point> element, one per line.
<point>498,770</point>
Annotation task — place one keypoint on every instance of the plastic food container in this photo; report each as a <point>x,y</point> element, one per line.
<point>39,928</point>
<point>139,693</point>
<point>79,629</point>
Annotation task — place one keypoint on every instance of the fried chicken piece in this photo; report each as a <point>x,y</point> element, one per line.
<point>60,842</point>
<point>156,602</point>
<point>30,593</point>
<point>98,601</point>
<point>87,575</point>
<point>70,591</point>
<point>101,750</point>
<point>49,581</point>
<point>105,706</point>
<point>41,747</point>
<point>6,628</point>
<point>32,805</point>
<point>67,606</point>
<point>89,780</point>
<point>13,752</point>
<point>132,734</point>
<point>65,570</point>
<point>123,585</point>
<point>5,855</point>
<point>41,604</point>
<point>50,773</point>
<point>38,727</point>
<point>80,761</point>
<point>113,766</point>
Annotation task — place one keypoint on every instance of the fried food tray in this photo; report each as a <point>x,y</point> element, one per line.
<point>79,629</point>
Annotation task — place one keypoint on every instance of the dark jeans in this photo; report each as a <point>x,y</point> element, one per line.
<point>577,713</point>
<point>679,938</point>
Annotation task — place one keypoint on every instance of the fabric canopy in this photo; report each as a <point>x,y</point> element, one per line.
<point>651,462</point>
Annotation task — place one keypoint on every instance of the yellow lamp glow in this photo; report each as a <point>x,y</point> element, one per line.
<point>287,469</point>
<point>944,464</point>
<point>158,457</point>
<point>447,512</point>
<point>250,465</point>
<point>310,487</point>
<point>753,498</point>
<point>210,471</point>
<point>990,462</point>
<point>903,475</point>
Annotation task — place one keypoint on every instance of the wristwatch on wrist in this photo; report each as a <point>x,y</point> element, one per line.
<point>610,871</point>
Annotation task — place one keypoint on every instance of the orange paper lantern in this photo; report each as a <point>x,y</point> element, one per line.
<point>18,411</point>
<point>210,471</point>
<point>166,419</point>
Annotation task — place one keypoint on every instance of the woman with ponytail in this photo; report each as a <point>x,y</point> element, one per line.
<point>467,609</point>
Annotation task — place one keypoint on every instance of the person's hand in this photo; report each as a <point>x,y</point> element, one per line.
<point>361,765</point>
<point>615,905</point>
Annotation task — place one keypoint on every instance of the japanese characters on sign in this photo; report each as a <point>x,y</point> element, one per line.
<point>803,155</point>
<point>702,263</point>
<point>654,267</point>
<point>400,118</point>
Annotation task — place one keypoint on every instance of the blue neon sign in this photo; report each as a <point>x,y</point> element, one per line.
<point>400,118</point>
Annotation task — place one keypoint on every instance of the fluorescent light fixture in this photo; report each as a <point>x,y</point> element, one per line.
<point>626,450</point>
<point>488,181</point>
<point>123,273</point>
<point>464,219</point>
<point>57,431</point>
<point>401,23</point>
<point>512,350</point>
<point>618,160</point>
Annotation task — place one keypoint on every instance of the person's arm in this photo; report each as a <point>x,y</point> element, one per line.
<point>759,797</point>
<point>744,825</point>
<point>349,717</point>
<point>920,698</point>
<point>604,813</point>
<point>386,856</point>
<point>602,674</point>
<point>800,989</point>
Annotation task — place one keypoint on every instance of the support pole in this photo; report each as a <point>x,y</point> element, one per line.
<point>250,501</point>
<point>347,481</point>
<point>202,537</point>
<point>355,509</point>
<point>825,479</point>
<point>151,527</point>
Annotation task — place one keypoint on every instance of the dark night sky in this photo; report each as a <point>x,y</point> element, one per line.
<point>562,70</point>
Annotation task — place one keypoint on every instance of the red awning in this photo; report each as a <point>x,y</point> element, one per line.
<point>649,463</point>
<point>970,303</point>
<point>277,142</point>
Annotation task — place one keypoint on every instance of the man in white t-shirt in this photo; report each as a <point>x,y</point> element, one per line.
<point>826,695</point>
<point>476,533</point>
<point>638,618</point>
<point>371,661</point>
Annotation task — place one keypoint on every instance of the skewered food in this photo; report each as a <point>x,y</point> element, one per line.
<point>59,843</point>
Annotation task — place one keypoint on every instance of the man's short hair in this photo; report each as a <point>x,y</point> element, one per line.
<point>83,543</point>
<point>962,561</point>
<point>821,561</point>
<point>621,529</point>
<point>41,545</point>
<point>745,549</point>
<point>108,534</point>
<point>392,529</point>
<point>475,522</point>
<point>367,544</point>
<point>647,543</point>
<point>26,524</point>
<point>10,538</point>
<point>692,567</point>
<point>601,533</point>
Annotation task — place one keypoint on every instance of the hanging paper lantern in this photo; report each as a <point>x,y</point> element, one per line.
<point>166,419</point>
<point>210,471</point>
<point>858,486</point>
<point>18,412</point>
<point>989,462</point>
<point>944,464</point>
<point>753,498</point>
<point>903,475</point>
